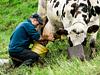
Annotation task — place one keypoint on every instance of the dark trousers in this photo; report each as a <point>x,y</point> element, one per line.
<point>26,56</point>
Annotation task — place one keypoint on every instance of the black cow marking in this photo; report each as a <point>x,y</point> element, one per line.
<point>92,43</point>
<point>89,4</point>
<point>85,16</point>
<point>63,13</point>
<point>70,42</point>
<point>90,12</point>
<point>84,7</point>
<point>93,11</point>
<point>75,7</point>
<point>84,42</point>
<point>85,19</point>
<point>67,1</point>
<point>56,5</point>
<point>97,2</point>
<point>72,12</point>
<point>78,12</point>
<point>74,30</point>
<point>54,2</point>
<point>57,13</point>
<point>97,9</point>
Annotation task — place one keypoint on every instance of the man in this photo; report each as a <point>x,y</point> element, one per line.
<point>22,37</point>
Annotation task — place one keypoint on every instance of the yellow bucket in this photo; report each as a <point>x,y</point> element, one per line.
<point>39,49</point>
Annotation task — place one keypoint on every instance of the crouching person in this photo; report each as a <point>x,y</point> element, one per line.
<point>20,40</point>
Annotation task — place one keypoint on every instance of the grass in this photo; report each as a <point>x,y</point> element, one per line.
<point>13,12</point>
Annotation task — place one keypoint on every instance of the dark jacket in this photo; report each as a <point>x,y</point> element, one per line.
<point>23,36</point>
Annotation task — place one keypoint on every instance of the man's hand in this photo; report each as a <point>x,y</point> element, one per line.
<point>44,39</point>
<point>50,37</point>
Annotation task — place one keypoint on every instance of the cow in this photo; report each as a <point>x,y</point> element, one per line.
<point>74,18</point>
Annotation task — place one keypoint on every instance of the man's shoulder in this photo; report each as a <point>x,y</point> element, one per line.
<point>26,25</point>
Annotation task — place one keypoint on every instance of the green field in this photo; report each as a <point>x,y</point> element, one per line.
<point>13,12</point>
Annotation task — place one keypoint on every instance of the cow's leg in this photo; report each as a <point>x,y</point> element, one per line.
<point>92,45</point>
<point>93,30</point>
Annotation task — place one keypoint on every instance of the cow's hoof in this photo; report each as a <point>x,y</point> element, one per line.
<point>93,52</point>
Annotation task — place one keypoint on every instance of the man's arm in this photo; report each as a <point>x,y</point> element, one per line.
<point>32,32</point>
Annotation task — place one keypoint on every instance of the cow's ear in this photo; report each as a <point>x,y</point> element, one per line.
<point>93,28</point>
<point>62,32</point>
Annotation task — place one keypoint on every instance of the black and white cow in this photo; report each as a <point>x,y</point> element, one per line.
<point>75,18</point>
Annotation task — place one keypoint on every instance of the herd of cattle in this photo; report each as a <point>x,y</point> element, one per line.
<point>74,18</point>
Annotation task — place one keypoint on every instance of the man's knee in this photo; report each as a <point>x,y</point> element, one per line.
<point>35,57</point>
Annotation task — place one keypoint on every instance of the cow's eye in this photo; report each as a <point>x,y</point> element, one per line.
<point>74,30</point>
<point>82,31</point>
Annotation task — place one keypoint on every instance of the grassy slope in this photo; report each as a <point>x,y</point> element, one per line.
<point>14,11</point>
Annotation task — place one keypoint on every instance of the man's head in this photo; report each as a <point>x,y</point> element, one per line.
<point>36,20</point>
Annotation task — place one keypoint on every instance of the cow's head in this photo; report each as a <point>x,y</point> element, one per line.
<point>78,34</point>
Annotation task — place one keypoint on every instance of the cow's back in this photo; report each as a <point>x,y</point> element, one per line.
<point>54,9</point>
